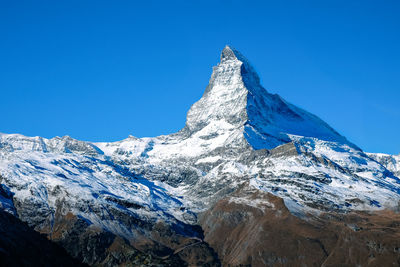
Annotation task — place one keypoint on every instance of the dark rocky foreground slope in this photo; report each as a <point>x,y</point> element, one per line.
<point>166,246</point>
<point>20,245</point>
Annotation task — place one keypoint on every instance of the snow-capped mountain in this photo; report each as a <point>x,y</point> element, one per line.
<point>238,132</point>
<point>75,176</point>
<point>237,135</point>
<point>234,97</point>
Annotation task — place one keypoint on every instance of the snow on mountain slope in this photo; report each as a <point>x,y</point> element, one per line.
<point>62,173</point>
<point>329,175</point>
<point>391,162</point>
<point>17,142</point>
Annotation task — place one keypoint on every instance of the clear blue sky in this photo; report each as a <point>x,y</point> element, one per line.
<point>101,70</point>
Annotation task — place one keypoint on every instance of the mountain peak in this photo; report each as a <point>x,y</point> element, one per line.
<point>228,53</point>
<point>235,99</point>
<point>230,57</point>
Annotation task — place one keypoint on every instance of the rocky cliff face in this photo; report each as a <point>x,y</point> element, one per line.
<point>138,200</point>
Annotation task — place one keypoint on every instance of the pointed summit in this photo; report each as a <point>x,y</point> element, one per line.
<point>228,54</point>
<point>234,101</point>
<point>224,99</point>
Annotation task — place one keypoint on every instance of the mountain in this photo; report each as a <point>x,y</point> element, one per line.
<point>235,98</point>
<point>238,132</point>
<point>159,201</point>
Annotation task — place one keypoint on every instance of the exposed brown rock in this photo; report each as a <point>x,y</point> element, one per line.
<point>252,228</point>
